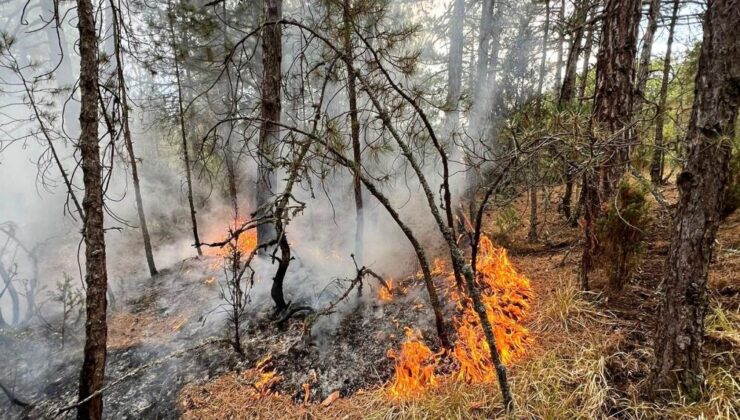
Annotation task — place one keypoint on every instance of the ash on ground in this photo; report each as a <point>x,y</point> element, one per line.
<point>171,331</point>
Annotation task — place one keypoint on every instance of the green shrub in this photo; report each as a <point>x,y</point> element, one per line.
<point>621,231</point>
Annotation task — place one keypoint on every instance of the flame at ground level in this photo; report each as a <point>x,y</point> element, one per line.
<point>506,296</point>
<point>415,366</point>
<point>246,242</point>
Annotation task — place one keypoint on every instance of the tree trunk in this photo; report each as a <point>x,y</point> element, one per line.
<point>454,73</point>
<point>96,278</point>
<point>643,69</point>
<point>269,136</point>
<point>568,88</point>
<point>611,118</point>
<point>127,137</point>
<point>183,135</point>
<point>656,162</point>
<point>702,185</point>
<point>586,58</point>
<point>561,45</point>
<point>543,59</point>
<point>355,128</point>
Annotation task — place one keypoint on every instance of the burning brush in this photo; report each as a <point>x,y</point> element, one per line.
<point>415,366</point>
<point>506,296</point>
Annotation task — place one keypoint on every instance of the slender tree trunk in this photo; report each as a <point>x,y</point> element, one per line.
<point>643,69</point>
<point>586,58</point>
<point>532,235</point>
<point>702,184</point>
<point>484,45</point>
<point>568,88</point>
<point>269,136</point>
<point>561,45</point>
<point>96,277</point>
<point>355,128</point>
<point>183,132</point>
<point>611,118</point>
<point>543,58</point>
<point>454,73</point>
<point>656,163</point>
<point>123,92</point>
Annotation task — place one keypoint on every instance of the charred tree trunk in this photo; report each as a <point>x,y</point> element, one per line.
<point>183,133</point>
<point>643,68</point>
<point>611,118</point>
<point>656,162</point>
<point>96,278</point>
<point>702,184</point>
<point>123,92</point>
<point>355,129</point>
<point>269,137</point>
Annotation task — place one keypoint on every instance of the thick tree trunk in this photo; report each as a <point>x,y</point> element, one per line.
<point>123,92</point>
<point>269,137</point>
<point>96,278</point>
<point>611,118</point>
<point>702,185</point>
<point>643,69</point>
<point>355,129</point>
<point>656,162</point>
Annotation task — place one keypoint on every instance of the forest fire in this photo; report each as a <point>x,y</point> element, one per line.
<point>506,296</point>
<point>246,242</point>
<point>415,365</point>
<point>385,294</point>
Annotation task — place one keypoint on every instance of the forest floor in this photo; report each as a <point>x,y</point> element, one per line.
<point>591,353</point>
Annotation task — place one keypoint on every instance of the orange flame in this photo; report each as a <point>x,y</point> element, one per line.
<point>415,366</point>
<point>386,294</point>
<point>246,243</point>
<point>506,297</point>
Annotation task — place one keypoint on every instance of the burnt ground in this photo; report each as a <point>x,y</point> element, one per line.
<point>152,334</point>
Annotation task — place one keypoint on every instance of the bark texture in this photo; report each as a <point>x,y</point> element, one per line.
<point>611,118</point>
<point>269,137</point>
<point>643,69</point>
<point>96,278</point>
<point>702,184</point>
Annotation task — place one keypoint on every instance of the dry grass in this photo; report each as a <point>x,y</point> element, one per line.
<point>585,362</point>
<point>127,329</point>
